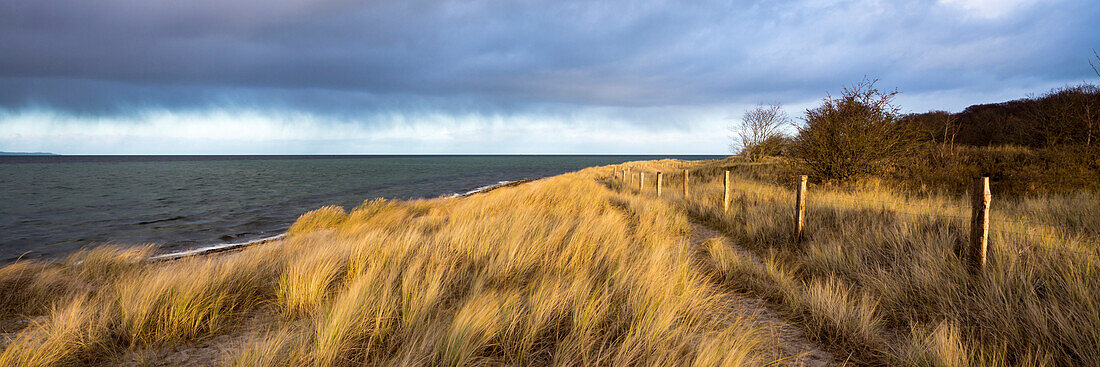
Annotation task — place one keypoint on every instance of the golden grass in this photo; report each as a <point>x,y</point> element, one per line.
<point>561,271</point>
<point>879,275</point>
<point>582,269</point>
<point>266,350</point>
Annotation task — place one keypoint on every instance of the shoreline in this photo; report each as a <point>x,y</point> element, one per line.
<point>487,188</point>
<point>226,247</point>
<point>211,249</point>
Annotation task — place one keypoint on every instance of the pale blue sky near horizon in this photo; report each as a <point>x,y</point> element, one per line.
<point>499,77</point>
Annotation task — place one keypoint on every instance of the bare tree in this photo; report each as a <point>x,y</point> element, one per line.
<point>760,132</point>
<point>933,127</point>
<point>951,127</point>
<point>1094,68</point>
<point>1066,115</point>
<point>1086,111</point>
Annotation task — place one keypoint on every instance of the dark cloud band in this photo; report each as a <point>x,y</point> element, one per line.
<point>108,56</point>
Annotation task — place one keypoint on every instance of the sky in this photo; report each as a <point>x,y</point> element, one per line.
<point>497,77</point>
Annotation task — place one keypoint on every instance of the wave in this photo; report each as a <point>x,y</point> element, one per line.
<point>178,217</point>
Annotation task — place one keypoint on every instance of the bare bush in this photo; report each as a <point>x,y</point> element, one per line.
<point>760,132</point>
<point>854,134</point>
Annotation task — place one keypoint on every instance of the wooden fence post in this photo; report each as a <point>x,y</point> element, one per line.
<point>641,181</point>
<point>979,224</point>
<point>685,184</point>
<point>726,193</point>
<point>800,207</point>
<point>659,175</point>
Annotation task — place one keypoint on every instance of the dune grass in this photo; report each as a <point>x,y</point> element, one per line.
<point>560,271</point>
<point>582,269</point>
<point>879,275</point>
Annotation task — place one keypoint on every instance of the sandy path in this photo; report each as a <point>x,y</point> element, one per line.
<point>791,344</point>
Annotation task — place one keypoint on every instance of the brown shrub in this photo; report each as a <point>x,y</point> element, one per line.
<point>852,135</point>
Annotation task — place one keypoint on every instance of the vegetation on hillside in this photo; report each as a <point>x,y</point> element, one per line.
<point>879,275</point>
<point>1035,146</point>
<point>560,271</point>
<point>581,269</point>
<point>1066,116</point>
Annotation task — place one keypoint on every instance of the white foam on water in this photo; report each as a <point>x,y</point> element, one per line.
<point>213,248</point>
<point>479,189</point>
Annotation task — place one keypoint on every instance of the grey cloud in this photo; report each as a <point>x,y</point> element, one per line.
<point>342,56</point>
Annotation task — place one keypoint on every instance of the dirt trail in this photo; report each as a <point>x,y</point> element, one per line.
<point>791,346</point>
<point>791,343</point>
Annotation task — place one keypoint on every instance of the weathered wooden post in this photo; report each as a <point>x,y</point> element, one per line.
<point>685,184</point>
<point>800,207</point>
<point>726,193</point>
<point>659,176</point>
<point>979,224</point>
<point>641,181</point>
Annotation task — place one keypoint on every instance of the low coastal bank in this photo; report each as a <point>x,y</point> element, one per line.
<point>591,268</point>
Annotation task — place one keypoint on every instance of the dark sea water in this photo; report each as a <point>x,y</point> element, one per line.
<point>54,205</point>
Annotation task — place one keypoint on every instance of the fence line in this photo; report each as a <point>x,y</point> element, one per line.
<point>905,201</point>
<point>982,221</point>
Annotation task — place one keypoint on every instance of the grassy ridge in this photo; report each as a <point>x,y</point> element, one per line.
<point>880,278</point>
<point>579,270</point>
<point>560,271</point>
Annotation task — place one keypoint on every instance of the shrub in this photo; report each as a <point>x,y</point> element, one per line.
<point>851,135</point>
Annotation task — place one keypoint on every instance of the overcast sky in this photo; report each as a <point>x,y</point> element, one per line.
<point>412,76</point>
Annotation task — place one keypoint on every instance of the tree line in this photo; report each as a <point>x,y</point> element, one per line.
<point>862,132</point>
<point>1063,116</point>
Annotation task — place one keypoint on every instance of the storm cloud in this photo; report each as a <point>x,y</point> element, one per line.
<point>492,73</point>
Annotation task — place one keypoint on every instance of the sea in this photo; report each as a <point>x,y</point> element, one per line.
<point>54,205</point>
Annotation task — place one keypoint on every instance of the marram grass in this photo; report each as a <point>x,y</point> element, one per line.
<point>581,269</point>
<point>560,271</point>
<point>879,277</point>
